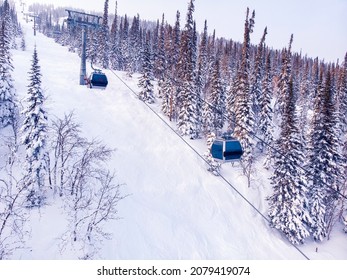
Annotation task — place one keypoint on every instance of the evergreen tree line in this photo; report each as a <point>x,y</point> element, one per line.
<point>286,109</point>
<point>43,160</point>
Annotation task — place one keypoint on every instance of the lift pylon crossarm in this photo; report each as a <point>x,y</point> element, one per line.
<point>81,18</point>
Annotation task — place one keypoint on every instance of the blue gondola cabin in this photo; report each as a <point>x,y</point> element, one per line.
<point>98,80</point>
<point>226,150</point>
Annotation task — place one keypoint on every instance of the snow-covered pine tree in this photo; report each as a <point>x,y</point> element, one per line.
<point>168,97</point>
<point>283,81</point>
<point>232,60</point>
<point>231,89</point>
<point>217,99</point>
<point>161,62</point>
<point>226,53</point>
<point>343,124</point>
<point>187,118</point>
<point>256,78</point>
<point>230,103</point>
<point>124,45</point>
<point>288,205</point>
<point>314,83</point>
<point>155,43</point>
<point>207,116</point>
<point>168,85</point>
<point>103,46</point>
<point>316,185</point>
<point>343,215</point>
<point>304,85</point>
<point>165,86</point>
<point>22,43</point>
<point>174,53</point>
<point>203,64</point>
<point>266,127</point>
<point>9,16</point>
<point>211,49</point>
<point>176,40</point>
<point>135,46</point>
<point>197,96</point>
<point>8,99</point>
<point>244,115</point>
<point>342,95</point>
<point>146,93</point>
<point>92,48</point>
<point>114,41</point>
<point>324,160</point>
<point>34,136</point>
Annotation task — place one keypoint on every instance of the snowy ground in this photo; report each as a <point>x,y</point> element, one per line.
<point>175,208</point>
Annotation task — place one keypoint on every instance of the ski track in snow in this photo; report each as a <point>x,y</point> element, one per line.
<point>175,208</point>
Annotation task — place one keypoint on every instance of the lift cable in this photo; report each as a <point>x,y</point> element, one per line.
<point>199,155</point>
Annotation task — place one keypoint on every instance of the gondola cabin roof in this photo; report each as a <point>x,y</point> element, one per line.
<point>226,150</point>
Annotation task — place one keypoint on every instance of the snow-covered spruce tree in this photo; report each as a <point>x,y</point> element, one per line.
<point>342,89</point>
<point>8,15</point>
<point>266,127</point>
<point>230,103</point>
<point>155,42</point>
<point>217,99</point>
<point>173,50</point>
<point>342,95</point>
<point>317,186</point>
<point>22,43</point>
<point>211,49</point>
<point>114,41</point>
<point>168,97</point>
<point>124,55</point>
<point>288,205</point>
<point>176,39</point>
<point>161,61</point>
<point>207,116</point>
<point>8,99</point>
<point>283,81</point>
<point>324,160</point>
<point>167,87</point>
<point>304,97</point>
<point>34,136</point>
<point>256,78</point>
<point>343,203</point>
<point>135,46</point>
<point>146,93</point>
<point>188,115</point>
<point>244,115</point>
<point>103,46</point>
<point>213,116</point>
<point>197,96</point>
<point>203,63</point>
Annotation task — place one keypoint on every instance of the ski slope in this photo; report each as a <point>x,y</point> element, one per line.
<point>175,208</point>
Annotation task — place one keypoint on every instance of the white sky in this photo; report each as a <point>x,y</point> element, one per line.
<point>319,26</point>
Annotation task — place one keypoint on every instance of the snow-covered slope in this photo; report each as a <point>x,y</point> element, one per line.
<point>175,208</point>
